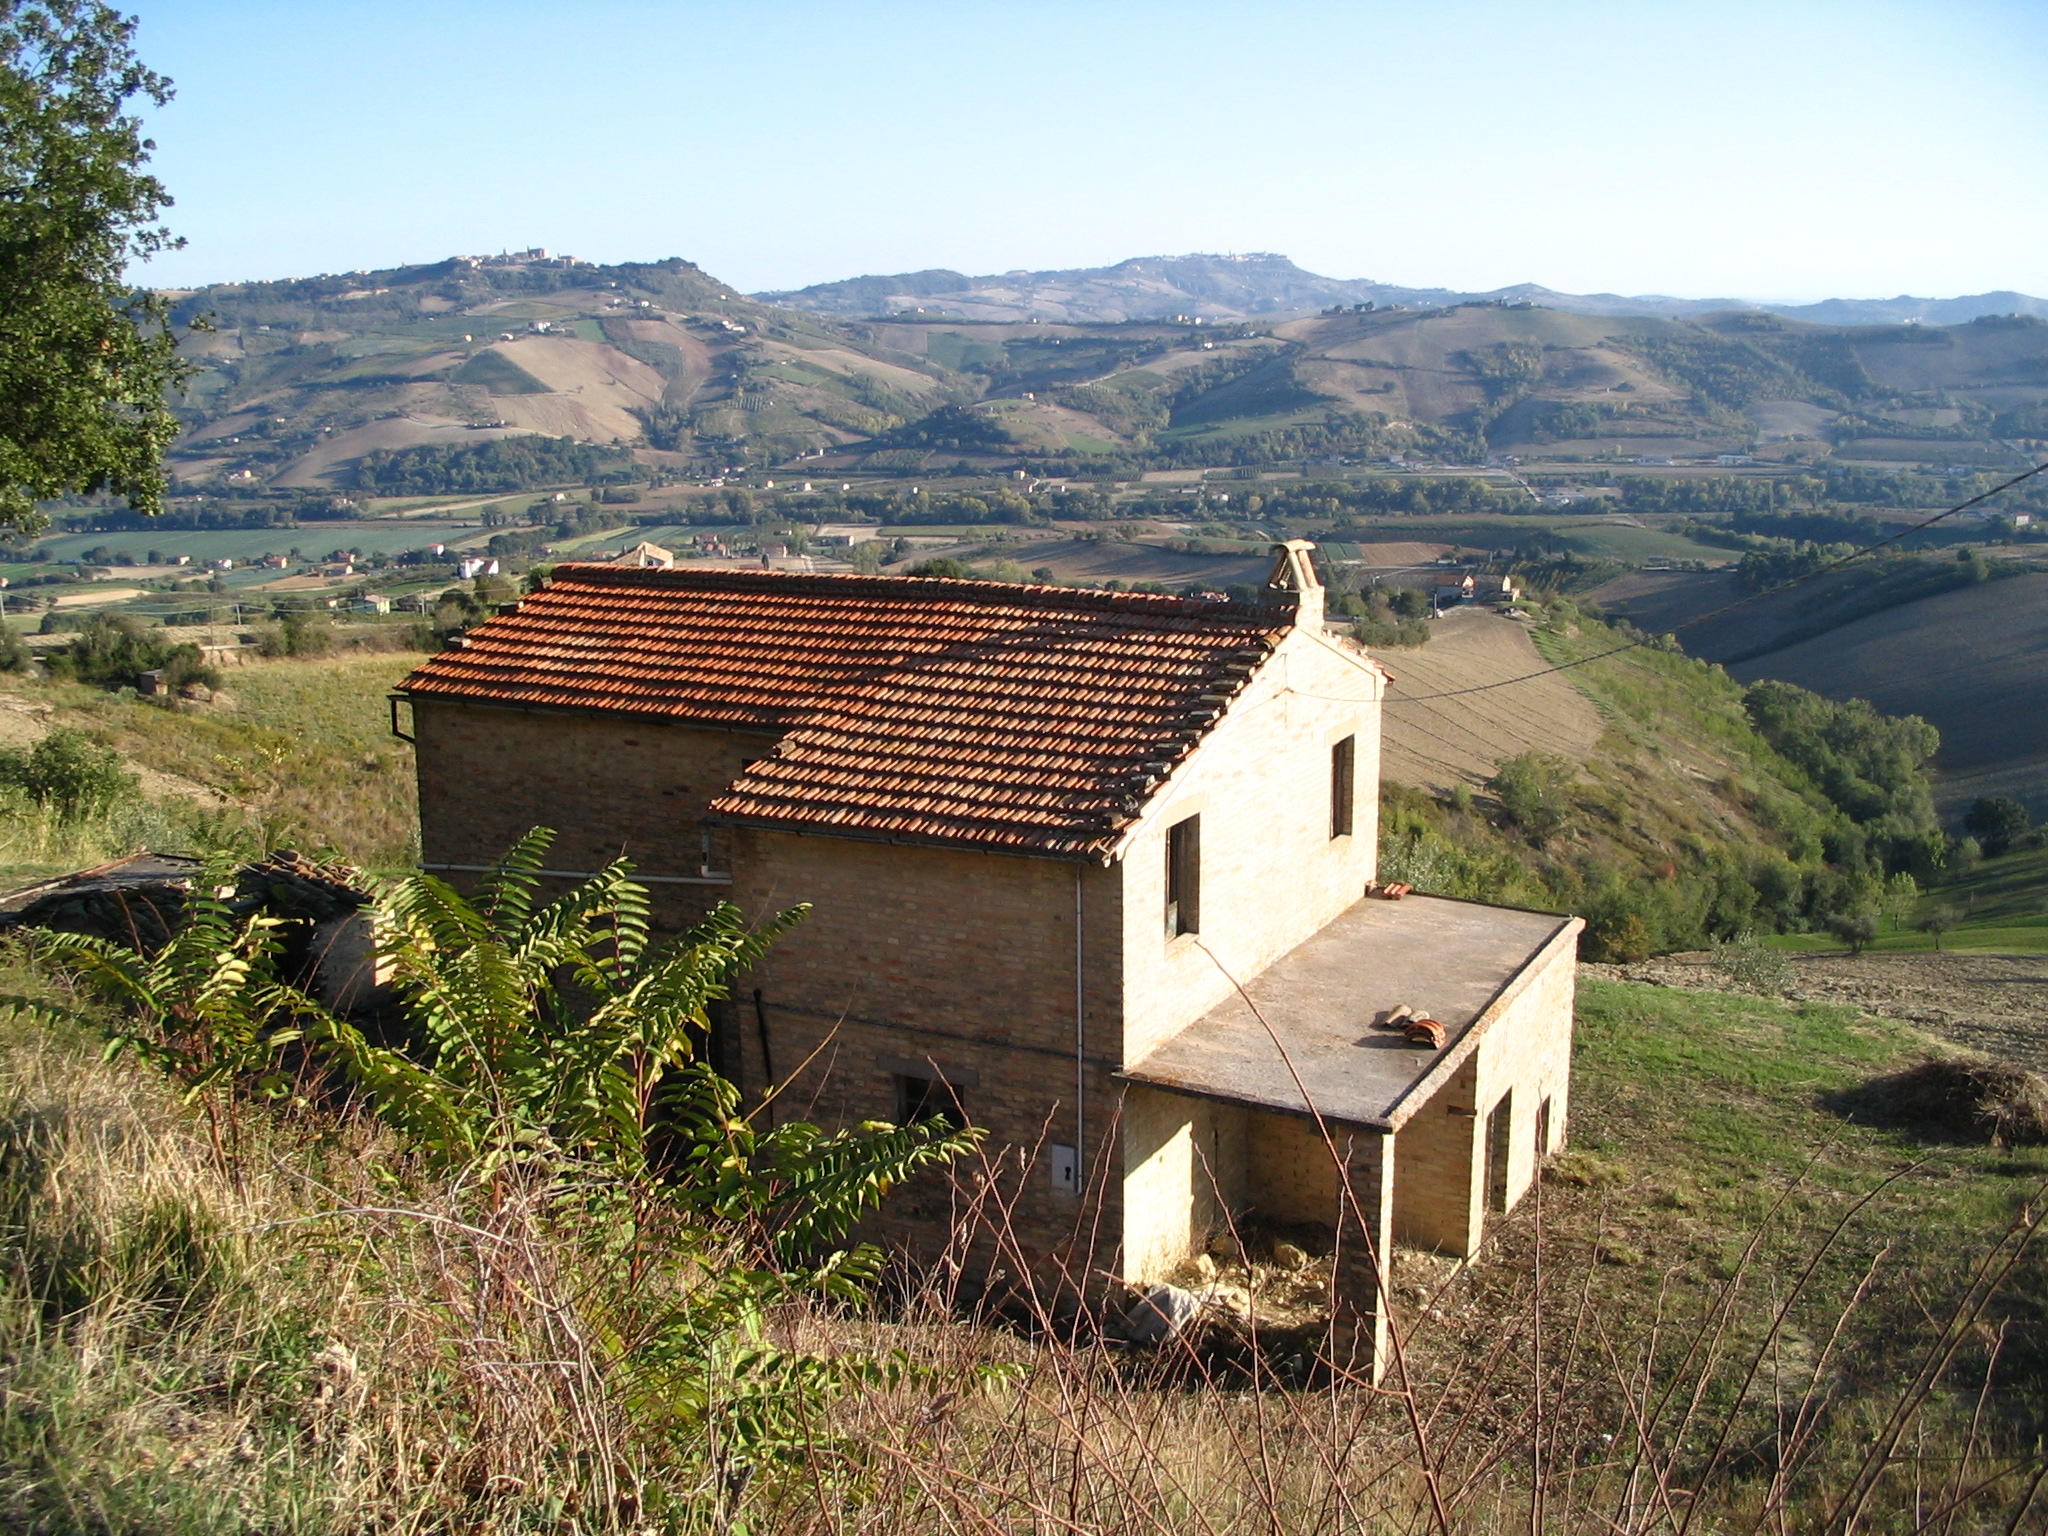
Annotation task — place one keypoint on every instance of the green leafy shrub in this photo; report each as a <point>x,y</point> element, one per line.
<point>297,634</point>
<point>112,650</point>
<point>1534,791</point>
<point>548,1088</point>
<point>68,775</point>
<point>1752,967</point>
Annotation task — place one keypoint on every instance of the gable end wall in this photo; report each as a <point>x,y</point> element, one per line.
<point>1272,876</point>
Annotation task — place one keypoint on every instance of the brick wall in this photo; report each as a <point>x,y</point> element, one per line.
<point>606,784</point>
<point>959,962</point>
<point>1529,1052</point>
<point>1524,1055</point>
<point>1436,1169</point>
<point>1358,1332</point>
<point>1185,1166</point>
<point>1292,1177</point>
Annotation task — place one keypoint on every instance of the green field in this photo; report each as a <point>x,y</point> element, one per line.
<point>2000,907</point>
<point>1967,938</point>
<point>1602,537</point>
<point>315,539</point>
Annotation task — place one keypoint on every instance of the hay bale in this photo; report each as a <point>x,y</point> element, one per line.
<point>1962,1097</point>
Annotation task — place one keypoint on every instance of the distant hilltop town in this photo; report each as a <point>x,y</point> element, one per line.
<point>538,256</point>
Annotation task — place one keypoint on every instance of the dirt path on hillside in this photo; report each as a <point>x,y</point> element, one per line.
<point>1441,743</point>
<point>1997,1004</point>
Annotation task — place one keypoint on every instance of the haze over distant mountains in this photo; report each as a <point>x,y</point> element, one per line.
<point>1231,287</point>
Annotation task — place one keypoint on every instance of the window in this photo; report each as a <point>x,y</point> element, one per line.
<point>1543,1129</point>
<point>1184,877</point>
<point>1343,781</point>
<point>926,1098</point>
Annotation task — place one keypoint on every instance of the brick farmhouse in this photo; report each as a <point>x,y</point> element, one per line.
<point>1089,868</point>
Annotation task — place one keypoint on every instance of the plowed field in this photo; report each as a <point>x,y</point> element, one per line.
<point>1438,743</point>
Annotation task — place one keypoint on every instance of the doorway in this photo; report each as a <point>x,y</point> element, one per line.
<point>1499,1125</point>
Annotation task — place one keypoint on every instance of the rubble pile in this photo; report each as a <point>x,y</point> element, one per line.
<point>139,901</point>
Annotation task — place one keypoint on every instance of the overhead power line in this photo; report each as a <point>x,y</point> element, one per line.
<point>1727,608</point>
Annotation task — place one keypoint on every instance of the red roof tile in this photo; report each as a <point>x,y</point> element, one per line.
<point>975,714</point>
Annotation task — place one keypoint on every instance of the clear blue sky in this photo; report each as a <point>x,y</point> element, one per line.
<point>1789,150</point>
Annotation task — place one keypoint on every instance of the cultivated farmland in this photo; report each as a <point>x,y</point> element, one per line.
<point>1438,744</point>
<point>1968,661</point>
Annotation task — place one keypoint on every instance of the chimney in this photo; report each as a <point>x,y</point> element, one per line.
<point>1293,580</point>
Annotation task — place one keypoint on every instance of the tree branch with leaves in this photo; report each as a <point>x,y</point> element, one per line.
<point>87,360</point>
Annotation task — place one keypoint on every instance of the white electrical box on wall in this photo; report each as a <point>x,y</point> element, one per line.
<point>1066,1169</point>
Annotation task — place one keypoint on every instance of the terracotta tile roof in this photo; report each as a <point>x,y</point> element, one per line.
<point>976,714</point>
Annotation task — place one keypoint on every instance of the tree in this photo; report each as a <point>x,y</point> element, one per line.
<point>1901,896</point>
<point>1855,929</point>
<point>1997,822</point>
<point>1939,921</point>
<point>1534,790</point>
<point>85,359</point>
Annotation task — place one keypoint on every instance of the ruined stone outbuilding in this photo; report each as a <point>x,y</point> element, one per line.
<point>1088,868</point>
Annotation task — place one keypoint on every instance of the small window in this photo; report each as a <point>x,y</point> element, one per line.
<point>1543,1129</point>
<point>1343,783</point>
<point>926,1098</point>
<point>1184,877</point>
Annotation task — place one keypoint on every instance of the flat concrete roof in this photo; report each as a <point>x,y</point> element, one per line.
<point>1445,958</point>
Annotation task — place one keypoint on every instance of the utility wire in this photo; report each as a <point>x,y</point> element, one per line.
<point>1728,608</point>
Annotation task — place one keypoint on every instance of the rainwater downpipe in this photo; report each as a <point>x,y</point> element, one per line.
<point>1080,1044</point>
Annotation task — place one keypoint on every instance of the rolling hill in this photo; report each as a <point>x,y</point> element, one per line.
<point>298,380</point>
<point>1237,287</point>
<point>1968,660</point>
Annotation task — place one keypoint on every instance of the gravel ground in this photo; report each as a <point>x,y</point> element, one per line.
<point>1996,1004</point>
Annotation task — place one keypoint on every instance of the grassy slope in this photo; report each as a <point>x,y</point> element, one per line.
<point>1694,1113</point>
<point>1677,780</point>
<point>1701,1124</point>
<point>305,754</point>
<point>196,1385</point>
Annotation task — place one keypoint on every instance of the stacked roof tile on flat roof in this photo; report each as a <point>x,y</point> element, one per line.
<point>1033,720</point>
